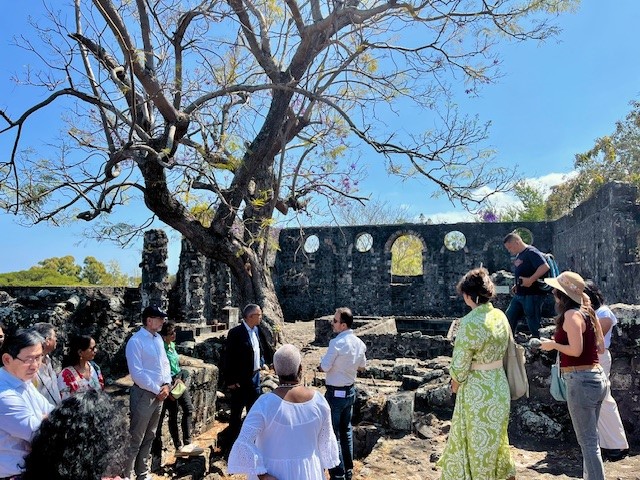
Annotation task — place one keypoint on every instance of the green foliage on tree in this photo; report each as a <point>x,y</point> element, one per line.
<point>532,206</point>
<point>63,271</point>
<point>406,256</point>
<point>37,277</point>
<point>613,158</point>
<point>65,266</point>
<point>94,271</point>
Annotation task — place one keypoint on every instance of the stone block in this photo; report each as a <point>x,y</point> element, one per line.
<point>365,438</point>
<point>400,411</point>
<point>230,316</point>
<point>411,382</point>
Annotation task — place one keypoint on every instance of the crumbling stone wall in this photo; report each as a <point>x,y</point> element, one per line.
<point>599,240</point>
<point>311,284</point>
<point>105,313</point>
<point>155,280</point>
<point>204,288</point>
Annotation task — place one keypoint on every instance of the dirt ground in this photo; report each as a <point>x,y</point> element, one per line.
<point>409,457</point>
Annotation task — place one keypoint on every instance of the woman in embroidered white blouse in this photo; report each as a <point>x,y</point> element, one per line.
<point>80,372</point>
<point>287,434</point>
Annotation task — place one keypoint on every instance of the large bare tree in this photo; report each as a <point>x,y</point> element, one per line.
<point>217,113</point>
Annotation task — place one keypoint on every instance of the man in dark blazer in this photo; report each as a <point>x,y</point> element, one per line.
<point>243,360</point>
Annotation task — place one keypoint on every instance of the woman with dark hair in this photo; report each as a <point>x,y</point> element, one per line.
<point>80,372</point>
<point>611,435</point>
<point>578,338</point>
<point>478,444</point>
<point>83,438</point>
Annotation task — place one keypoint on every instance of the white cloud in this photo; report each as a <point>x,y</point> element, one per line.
<point>500,201</point>
<point>452,216</point>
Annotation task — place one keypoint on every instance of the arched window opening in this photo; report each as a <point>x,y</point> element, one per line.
<point>406,256</point>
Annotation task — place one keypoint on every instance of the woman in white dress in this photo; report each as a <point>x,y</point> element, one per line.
<point>287,434</point>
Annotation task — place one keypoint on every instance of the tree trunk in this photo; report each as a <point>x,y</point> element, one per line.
<point>253,279</point>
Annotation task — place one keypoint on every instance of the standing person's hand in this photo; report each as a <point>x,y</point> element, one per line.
<point>547,345</point>
<point>164,393</point>
<point>266,476</point>
<point>454,386</point>
<point>526,281</point>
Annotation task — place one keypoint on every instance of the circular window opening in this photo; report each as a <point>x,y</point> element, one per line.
<point>455,240</point>
<point>525,235</point>
<point>312,244</point>
<point>364,242</point>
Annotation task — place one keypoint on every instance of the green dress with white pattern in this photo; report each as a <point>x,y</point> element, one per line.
<point>478,444</point>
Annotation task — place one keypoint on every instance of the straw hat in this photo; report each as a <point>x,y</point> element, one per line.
<point>569,283</point>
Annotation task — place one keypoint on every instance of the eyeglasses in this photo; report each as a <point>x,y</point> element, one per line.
<point>31,360</point>
<point>335,321</point>
<point>93,349</point>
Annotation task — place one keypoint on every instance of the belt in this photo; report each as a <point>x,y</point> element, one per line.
<point>487,366</point>
<point>345,387</point>
<point>582,368</point>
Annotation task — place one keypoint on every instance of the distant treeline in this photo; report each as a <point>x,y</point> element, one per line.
<point>63,271</point>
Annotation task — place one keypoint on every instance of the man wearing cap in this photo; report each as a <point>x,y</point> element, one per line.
<point>151,375</point>
<point>344,357</point>
<point>528,297</point>
<point>46,380</point>
<point>243,361</point>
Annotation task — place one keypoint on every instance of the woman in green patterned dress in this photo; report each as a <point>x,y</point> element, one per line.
<point>478,445</point>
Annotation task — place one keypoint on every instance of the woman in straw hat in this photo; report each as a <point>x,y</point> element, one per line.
<point>578,338</point>
<point>287,434</point>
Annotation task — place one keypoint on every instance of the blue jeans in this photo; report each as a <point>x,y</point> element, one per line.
<point>341,413</point>
<point>585,393</point>
<point>528,306</point>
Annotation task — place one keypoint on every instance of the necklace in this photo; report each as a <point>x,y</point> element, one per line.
<point>289,385</point>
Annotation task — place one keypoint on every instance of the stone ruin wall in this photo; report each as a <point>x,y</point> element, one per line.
<point>599,240</point>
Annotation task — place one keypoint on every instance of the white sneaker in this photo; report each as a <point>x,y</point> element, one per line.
<point>188,450</point>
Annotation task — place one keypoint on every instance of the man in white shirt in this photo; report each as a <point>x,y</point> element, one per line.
<point>344,357</point>
<point>151,375</point>
<point>46,380</point>
<point>22,407</point>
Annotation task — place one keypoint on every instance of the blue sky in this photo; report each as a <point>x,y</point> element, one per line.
<point>553,101</point>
